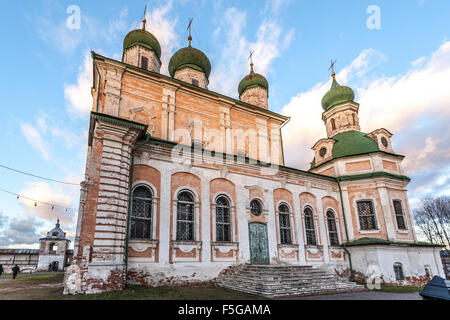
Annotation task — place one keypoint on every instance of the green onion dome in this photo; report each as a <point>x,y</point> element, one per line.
<point>192,58</point>
<point>253,80</point>
<point>351,143</point>
<point>142,38</point>
<point>337,95</point>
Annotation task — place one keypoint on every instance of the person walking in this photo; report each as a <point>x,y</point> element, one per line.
<point>15,271</point>
<point>1,269</point>
<point>49,267</point>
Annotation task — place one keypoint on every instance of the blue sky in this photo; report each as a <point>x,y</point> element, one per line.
<point>400,73</point>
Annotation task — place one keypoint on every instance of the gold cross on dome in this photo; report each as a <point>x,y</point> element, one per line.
<point>250,57</point>
<point>144,21</point>
<point>190,29</point>
<point>333,63</point>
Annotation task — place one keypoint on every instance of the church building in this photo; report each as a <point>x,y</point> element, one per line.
<point>183,183</point>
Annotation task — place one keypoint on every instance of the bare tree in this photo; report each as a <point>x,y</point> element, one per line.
<point>433,218</point>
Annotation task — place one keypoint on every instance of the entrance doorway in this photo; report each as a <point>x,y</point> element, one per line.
<point>259,245</point>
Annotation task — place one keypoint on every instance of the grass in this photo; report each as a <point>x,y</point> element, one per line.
<point>395,289</point>
<point>26,287</point>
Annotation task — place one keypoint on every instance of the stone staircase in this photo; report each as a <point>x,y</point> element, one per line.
<point>283,280</point>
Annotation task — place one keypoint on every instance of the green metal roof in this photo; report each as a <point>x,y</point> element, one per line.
<point>252,80</point>
<point>369,241</point>
<point>337,95</point>
<point>189,58</point>
<point>144,39</point>
<point>353,142</point>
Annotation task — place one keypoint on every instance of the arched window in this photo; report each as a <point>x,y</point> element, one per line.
<point>366,214</point>
<point>284,217</point>
<point>141,214</point>
<point>185,216</point>
<point>332,228</point>
<point>398,269</point>
<point>310,228</point>
<point>256,208</point>
<point>400,217</point>
<point>354,119</point>
<point>144,63</point>
<point>223,220</point>
<point>333,124</point>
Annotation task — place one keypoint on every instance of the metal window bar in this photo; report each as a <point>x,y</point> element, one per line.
<point>285,224</point>
<point>144,63</point>
<point>141,214</point>
<point>400,217</point>
<point>332,229</point>
<point>223,220</point>
<point>255,208</point>
<point>366,215</point>
<point>310,229</point>
<point>185,217</point>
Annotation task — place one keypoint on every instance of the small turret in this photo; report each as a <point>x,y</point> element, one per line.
<point>254,89</point>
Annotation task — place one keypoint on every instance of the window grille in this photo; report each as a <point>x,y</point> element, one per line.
<point>366,213</point>
<point>332,228</point>
<point>141,214</point>
<point>285,224</point>
<point>399,215</point>
<point>144,63</point>
<point>310,228</point>
<point>255,208</point>
<point>223,220</point>
<point>185,217</point>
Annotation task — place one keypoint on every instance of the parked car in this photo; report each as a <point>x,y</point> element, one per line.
<point>436,289</point>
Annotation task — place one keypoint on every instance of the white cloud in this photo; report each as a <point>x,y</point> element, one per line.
<point>60,197</point>
<point>79,95</point>
<point>397,103</point>
<point>55,32</point>
<point>232,64</point>
<point>36,140</point>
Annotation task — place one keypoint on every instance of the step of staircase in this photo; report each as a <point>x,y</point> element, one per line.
<point>281,281</point>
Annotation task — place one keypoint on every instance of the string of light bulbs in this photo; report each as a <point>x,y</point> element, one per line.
<point>36,202</point>
<point>39,177</point>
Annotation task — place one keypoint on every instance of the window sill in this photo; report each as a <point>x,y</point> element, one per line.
<point>312,246</point>
<point>288,246</point>
<point>178,243</point>
<point>144,241</point>
<point>403,231</point>
<point>224,244</point>
<point>369,231</point>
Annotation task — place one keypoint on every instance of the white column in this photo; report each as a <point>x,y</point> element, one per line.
<point>348,215</point>
<point>271,226</point>
<point>300,228</point>
<point>206,221</point>
<point>164,218</point>
<point>242,196</point>
<point>323,229</point>
<point>386,213</point>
